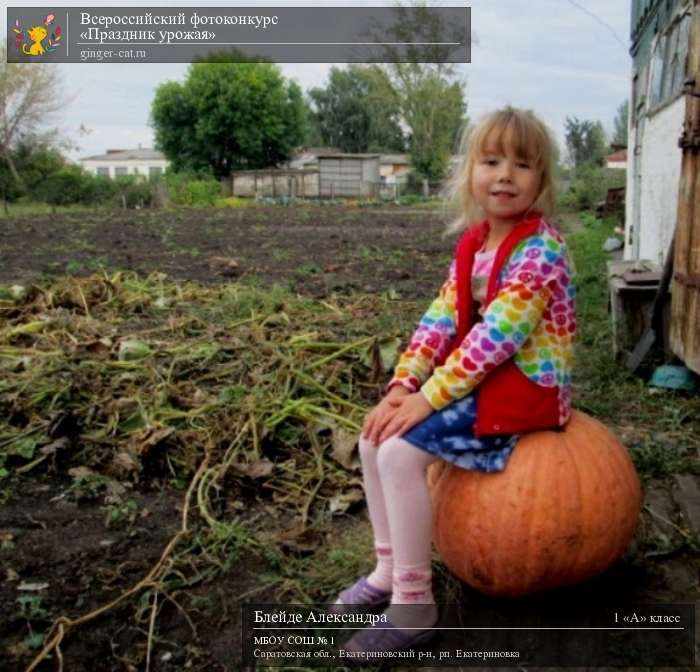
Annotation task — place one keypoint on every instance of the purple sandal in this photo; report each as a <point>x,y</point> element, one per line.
<point>383,637</point>
<point>361,593</point>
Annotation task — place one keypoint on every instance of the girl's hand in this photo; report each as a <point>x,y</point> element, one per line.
<point>408,412</point>
<point>379,415</point>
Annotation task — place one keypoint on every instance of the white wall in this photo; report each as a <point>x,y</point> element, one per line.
<point>133,166</point>
<point>660,169</point>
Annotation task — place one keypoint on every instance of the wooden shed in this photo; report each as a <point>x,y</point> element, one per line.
<point>685,288</point>
<point>343,175</point>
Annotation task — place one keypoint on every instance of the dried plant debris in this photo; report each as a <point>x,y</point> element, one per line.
<point>128,376</point>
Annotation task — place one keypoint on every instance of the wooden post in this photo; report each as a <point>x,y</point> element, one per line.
<point>426,189</point>
<point>685,287</point>
<point>332,190</point>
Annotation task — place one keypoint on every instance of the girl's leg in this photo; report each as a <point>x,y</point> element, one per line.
<point>402,469</point>
<point>376,587</point>
<point>412,612</point>
<point>381,577</point>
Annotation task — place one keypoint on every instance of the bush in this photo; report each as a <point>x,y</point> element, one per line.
<point>193,191</point>
<point>589,185</point>
<point>65,186</point>
<point>132,192</point>
<point>414,183</point>
<point>97,189</point>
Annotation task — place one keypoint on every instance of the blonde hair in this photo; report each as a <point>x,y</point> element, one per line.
<point>532,141</point>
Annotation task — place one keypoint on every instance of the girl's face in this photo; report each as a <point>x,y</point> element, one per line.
<point>503,183</point>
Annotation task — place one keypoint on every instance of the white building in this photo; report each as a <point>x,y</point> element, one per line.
<point>617,159</point>
<point>118,162</point>
<point>659,51</point>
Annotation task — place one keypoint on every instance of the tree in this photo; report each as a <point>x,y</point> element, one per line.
<point>620,124</point>
<point>228,116</point>
<point>585,142</point>
<point>29,100</point>
<point>65,186</point>
<point>428,93</point>
<point>352,113</point>
<point>35,160</point>
<point>434,128</point>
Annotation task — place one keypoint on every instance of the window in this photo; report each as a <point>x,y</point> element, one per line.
<point>680,58</point>
<point>657,69</point>
<point>154,171</point>
<point>119,171</point>
<point>668,62</point>
<point>103,171</point>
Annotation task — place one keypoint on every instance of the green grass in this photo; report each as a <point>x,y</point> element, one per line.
<point>280,254</point>
<point>36,208</point>
<point>660,427</point>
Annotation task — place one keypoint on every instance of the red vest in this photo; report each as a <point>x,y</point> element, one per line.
<point>508,402</point>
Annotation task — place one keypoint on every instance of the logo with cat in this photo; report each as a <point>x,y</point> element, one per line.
<point>36,41</point>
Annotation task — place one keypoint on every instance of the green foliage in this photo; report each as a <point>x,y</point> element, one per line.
<point>186,189</point>
<point>428,92</point>
<point>353,114</point>
<point>72,185</point>
<point>435,128</point>
<point>228,116</point>
<point>589,186</point>
<point>30,98</point>
<point>99,190</point>
<point>236,202</point>
<point>34,161</point>
<point>131,191</point>
<point>585,142</point>
<point>65,186</point>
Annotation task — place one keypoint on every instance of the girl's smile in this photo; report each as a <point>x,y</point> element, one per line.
<point>504,183</point>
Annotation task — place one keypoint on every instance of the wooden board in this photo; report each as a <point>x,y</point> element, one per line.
<point>685,305</point>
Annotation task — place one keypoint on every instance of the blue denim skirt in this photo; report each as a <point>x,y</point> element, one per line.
<point>449,435</point>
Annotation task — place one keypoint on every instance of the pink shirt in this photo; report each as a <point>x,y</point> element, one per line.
<point>483,262</point>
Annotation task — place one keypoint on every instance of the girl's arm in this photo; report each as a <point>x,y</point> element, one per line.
<point>507,322</point>
<point>432,339</point>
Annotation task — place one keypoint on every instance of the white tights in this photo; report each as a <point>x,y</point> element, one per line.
<point>400,511</point>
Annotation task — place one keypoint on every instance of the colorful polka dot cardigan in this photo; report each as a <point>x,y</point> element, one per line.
<point>529,322</point>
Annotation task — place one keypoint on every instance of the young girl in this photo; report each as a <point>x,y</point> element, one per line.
<point>490,360</point>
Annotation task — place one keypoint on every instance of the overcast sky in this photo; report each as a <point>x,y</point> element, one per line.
<point>558,57</point>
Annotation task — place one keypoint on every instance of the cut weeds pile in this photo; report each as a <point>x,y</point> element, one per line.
<point>236,393</point>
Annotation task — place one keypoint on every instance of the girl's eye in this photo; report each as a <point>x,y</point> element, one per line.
<point>490,162</point>
<point>522,164</point>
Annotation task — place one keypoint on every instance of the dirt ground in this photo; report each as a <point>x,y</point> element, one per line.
<point>49,537</point>
<point>312,250</point>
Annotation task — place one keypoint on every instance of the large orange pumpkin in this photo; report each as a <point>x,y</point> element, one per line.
<point>565,508</point>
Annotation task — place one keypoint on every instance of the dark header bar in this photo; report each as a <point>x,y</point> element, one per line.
<point>531,632</point>
<point>214,34</point>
